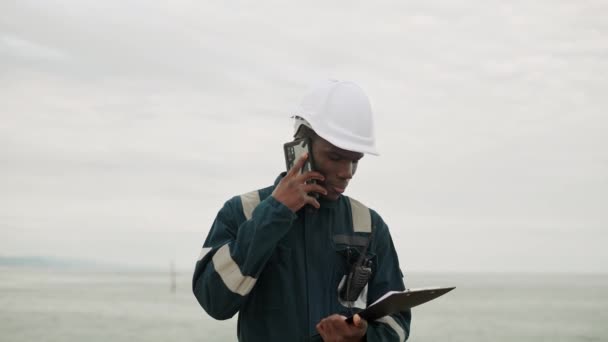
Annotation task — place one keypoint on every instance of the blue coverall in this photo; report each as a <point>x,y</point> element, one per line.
<point>281,271</point>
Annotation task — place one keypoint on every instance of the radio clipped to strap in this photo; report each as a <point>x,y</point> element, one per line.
<point>361,269</point>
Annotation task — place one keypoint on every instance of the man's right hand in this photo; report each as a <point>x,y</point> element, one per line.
<point>293,191</point>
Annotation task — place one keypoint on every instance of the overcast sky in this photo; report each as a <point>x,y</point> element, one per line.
<point>125,125</point>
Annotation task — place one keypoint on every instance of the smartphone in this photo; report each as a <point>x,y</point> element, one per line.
<point>294,150</point>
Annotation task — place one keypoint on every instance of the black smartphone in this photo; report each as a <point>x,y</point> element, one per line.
<point>294,150</point>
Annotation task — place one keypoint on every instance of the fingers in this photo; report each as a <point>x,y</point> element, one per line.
<point>306,176</point>
<point>358,321</point>
<point>311,187</point>
<point>295,169</point>
<point>327,327</point>
<point>335,328</point>
<point>310,175</point>
<point>313,201</point>
<point>322,330</point>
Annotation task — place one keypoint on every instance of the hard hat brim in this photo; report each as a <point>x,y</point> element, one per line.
<point>344,142</point>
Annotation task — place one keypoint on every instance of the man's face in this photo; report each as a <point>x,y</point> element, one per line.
<point>337,165</point>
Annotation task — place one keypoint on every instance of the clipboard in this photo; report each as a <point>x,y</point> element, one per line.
<point>395,301</point>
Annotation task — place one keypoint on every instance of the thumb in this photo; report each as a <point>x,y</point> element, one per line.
<point>357,320</point>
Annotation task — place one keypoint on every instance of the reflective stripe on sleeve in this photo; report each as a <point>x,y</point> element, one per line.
<point>204,252</point>
<point>362,219</point>
<point>230,272</point>
<point>390,321</point>
<point>249,201</point>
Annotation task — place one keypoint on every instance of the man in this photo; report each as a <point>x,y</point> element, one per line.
<point>296,258</point>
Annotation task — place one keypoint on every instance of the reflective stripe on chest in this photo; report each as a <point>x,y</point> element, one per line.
<point>361,217</point>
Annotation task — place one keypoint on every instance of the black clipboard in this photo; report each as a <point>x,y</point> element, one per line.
<point>395,301</point>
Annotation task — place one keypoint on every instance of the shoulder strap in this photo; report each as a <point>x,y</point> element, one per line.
<point>362,218</point>
<point>249,201</point>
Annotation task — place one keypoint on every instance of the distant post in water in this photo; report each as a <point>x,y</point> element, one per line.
<point>172,275</point>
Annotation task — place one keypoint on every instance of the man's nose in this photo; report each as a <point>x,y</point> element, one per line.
<point>346,170</point>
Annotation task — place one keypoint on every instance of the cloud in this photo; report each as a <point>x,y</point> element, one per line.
<point>23,49</point>
<point>124,118</point>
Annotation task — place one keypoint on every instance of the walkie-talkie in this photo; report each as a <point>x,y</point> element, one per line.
<point>356,281</point>
<point>358,277</point>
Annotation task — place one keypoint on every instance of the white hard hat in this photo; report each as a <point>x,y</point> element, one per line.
<point>339,112</point>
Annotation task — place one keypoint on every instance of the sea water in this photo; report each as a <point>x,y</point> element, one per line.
<point>77,305</point>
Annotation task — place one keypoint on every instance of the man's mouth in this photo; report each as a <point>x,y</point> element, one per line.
<point>338,190</point>
<point>334,189</point>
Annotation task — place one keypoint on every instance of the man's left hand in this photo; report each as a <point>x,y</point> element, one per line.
<point>335,329</point>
